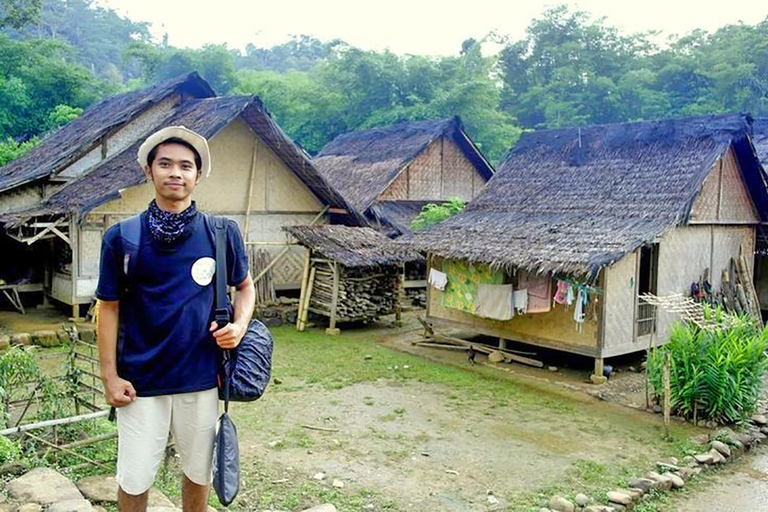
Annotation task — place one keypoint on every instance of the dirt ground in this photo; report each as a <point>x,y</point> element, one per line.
<point>423,446</point>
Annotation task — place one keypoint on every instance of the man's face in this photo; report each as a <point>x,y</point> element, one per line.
<point>173,172</point>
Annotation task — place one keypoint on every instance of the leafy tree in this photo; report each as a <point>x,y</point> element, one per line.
<point>10,149</point>
<point>18,13</point>
<point>432,214</point>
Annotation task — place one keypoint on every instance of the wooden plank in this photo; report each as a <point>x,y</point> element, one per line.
<point>486,349</point>
<point>304,283</point>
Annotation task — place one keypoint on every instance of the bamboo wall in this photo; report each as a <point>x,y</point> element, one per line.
<point>440,172</point>
<point>724,197</point>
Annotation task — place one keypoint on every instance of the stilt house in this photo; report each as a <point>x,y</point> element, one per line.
<point>57,200</point>
<point>578,223</point>
<point>388,174</point>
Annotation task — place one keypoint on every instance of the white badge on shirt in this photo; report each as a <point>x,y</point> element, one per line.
<point>203,270</point>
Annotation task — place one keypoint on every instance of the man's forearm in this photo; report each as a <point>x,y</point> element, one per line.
<point>245,300</point>
<point>107,337</point>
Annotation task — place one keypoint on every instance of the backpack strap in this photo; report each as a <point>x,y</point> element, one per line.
<point>222,303</point>
<point>130,236</point>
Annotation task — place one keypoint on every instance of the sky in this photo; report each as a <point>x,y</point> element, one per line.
<point>424,27</point>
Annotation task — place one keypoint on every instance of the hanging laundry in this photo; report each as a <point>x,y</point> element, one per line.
<point>569,296</point>
<point>561,295</point>
<point>437,279</point>
<point>539,288</point>
<point>580,312</point>
<point>463,278</point>
<point>520,301</point>
<point>494,301</point>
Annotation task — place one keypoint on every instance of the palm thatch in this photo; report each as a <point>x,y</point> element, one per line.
<point>760,139</point>
<point>353,246</point>
<point>362,164</point>
<point>577,199</point>
<point>206,116</point>
<point>65,145</point>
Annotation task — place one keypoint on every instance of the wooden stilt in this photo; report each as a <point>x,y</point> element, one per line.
<point>304,283</point>
<point>332,330</point>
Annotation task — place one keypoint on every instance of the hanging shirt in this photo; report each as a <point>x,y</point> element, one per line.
<point>520,301</point>
<point>561,295</point>
<point>164,346</point>
<point>437,279</point>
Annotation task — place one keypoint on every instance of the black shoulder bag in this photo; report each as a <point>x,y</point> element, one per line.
<point>243,375</point>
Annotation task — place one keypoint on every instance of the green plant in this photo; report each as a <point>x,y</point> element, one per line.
<point>432,214</point>
<point>715,374</point>
<point>9,450</point>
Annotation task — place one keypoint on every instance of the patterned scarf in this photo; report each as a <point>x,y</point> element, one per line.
<point>167,227</point>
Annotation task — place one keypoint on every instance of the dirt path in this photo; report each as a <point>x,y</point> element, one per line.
<point>743,487</point>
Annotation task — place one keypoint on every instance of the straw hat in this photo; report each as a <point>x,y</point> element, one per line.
<point>196,140</point>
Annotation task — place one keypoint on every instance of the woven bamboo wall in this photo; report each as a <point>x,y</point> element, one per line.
<point>275,187</point>
<point>724,196</point>
<point>90,252</point>
<point>398,189</point>
<point>458,173</point>
<point>620,293</point>
<point>440,172</point>
<point>425,174</point>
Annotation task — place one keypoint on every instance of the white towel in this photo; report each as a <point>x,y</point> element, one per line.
<point>438,279</point>
<point>494,301</point>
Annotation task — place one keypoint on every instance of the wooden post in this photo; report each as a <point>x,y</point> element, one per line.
<point>304,308</point>
<point>332,330</point>
<point>667,392</point>
<point>599,366</point>
<point>503,343</point>
<point>250,189</point>
<point>74,238</point>
<point>304,279</point>
<point>400,297</point>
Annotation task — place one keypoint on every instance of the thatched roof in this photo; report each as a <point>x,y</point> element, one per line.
<point>577,199</point>
<point>362,164</point>
<point>760,139</point>
<point>353,246</point>
<point>65,145</point>
<point>207,117</point>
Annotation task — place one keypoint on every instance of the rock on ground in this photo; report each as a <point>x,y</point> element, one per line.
<point>325,507</point>
<point>80,505</point>
<point>560,504</point>
<point>44,486</point>
<point>99,488</point>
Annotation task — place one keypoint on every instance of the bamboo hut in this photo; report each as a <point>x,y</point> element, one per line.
<point>57,200</point>
<point>350,274</point>
<point>605,214</point>
<point>389,173</point>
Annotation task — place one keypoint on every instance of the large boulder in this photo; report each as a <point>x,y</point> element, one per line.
<point>100,489</point>
<point>44,486</point>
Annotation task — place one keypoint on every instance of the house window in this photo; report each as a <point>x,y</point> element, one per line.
<point>646,283</point>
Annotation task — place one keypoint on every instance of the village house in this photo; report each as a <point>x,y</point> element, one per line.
<point>579,223</point>
<point>760,141</point>
<point>389,173</point>
<point>57,200</point>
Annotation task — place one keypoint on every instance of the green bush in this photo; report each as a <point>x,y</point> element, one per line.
<point>714,374</point>
<point>432,214</point>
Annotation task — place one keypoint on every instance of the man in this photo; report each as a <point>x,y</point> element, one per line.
<point>158,344</point>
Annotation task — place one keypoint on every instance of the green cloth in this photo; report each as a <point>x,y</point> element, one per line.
<point>461,291</point>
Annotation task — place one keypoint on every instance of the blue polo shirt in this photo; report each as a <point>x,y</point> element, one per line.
<point>164,345</point>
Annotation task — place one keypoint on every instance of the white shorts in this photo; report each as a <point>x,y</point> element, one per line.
<point>142,430</point>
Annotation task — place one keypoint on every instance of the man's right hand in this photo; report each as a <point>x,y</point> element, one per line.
<point>118,392</point>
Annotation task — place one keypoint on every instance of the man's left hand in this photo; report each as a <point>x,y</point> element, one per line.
<point>229,336</point>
